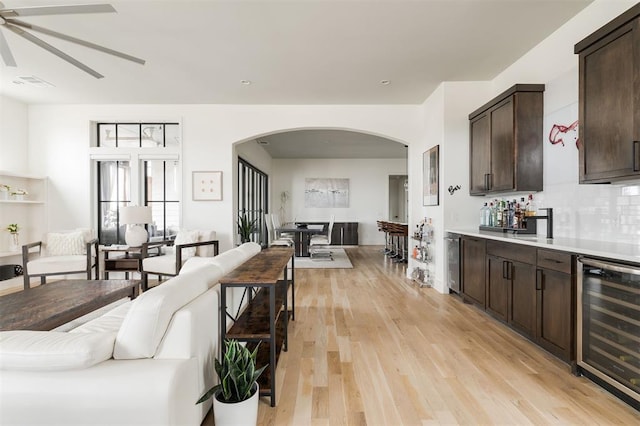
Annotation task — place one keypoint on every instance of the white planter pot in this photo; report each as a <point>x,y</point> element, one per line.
<point>4,195</point>
<point>237,413</point>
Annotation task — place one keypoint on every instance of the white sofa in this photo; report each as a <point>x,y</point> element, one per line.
<point>146,361</point>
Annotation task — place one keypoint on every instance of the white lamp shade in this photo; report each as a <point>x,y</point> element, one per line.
<point>135,215</point>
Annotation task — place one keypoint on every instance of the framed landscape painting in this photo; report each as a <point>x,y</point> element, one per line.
<point>430,173</point>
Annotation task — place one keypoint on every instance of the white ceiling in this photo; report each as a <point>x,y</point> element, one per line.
<point>293,52</point>
<point>330,144</point>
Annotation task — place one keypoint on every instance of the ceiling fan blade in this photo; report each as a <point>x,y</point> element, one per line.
<point>57,10</point>
<point>76,40</point>
<point>5,52</point>
<point>33,39</point>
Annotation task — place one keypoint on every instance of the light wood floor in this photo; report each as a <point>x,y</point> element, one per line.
<point>369,347</point>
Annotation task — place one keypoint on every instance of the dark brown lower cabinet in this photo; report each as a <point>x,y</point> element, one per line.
<point>498,287</point>
<point>555,287</point>
<point>474,251</point>
<point>532,290</point>
<point>523,299</point>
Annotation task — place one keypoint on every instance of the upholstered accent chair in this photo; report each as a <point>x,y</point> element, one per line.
<point>165,258</point>
<point>61,253</point>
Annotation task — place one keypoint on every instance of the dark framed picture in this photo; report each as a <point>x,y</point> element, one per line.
<point>430,173</point>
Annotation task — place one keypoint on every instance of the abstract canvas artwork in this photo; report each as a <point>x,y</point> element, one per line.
<point>326,193</point>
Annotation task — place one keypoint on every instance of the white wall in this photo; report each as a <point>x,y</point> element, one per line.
<point>14,136</point>
<point>59,141</point>
<point>368,191</point>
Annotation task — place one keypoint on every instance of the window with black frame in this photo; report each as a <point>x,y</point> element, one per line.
<point>253,197</point>
<point>139,180</point>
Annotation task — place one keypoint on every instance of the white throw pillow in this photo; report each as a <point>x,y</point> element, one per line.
<point>65,244</point>
<point>187,237</point>
<point>50,351</point>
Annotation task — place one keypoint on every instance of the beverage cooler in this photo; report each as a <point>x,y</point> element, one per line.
<point>609,325</point>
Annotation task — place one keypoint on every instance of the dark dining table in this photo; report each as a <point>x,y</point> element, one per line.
<point>301,237</point>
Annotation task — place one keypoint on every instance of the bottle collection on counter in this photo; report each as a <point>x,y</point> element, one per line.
<point>504,215</point>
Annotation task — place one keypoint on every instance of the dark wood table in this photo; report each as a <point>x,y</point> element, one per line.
<point>48,306</point>
<point>265,320</point>
<point>301,238</point>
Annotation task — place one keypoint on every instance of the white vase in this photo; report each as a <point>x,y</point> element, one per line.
<point>19,197</point>
<point>237,413</point>
<point>14,241</point>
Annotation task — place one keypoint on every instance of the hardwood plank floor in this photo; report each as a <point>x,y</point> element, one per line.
<point>369,347</point>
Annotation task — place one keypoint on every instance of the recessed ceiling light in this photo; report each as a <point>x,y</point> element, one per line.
<point>385,82</point>
<point>245,82</point>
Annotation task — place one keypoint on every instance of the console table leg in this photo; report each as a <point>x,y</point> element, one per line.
<point>272,342</point>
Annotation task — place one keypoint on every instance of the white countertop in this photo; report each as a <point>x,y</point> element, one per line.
<point>614,251</point>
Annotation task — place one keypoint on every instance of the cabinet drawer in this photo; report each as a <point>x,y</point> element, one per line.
<point>518,252</point>
<point>555,260</point>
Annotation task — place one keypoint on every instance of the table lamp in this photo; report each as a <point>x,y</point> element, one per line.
<point>135,217</point>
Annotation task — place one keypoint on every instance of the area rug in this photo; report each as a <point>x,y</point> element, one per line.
<point>340,261</point>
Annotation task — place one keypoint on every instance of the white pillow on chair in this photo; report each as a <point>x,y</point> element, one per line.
<point>65,244</point>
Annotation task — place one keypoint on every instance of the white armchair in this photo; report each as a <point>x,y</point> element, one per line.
<point>61,253</point>
<point>174,253</point>
<point>318,246</point>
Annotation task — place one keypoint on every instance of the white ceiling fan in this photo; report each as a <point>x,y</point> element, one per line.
<point>8,22</point>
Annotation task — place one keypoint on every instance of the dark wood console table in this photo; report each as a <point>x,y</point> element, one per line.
<point>48,306</point>
<point>265,320</point>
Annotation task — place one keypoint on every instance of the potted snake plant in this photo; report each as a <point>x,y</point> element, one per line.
<point>246,227</point>
<point>235,398</point>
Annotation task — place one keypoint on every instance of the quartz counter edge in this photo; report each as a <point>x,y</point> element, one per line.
<point>625,252</point>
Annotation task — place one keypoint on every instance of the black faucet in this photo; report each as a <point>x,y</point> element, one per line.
<point>548,218</point>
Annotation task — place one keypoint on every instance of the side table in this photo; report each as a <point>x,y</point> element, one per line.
<point>121,259</point>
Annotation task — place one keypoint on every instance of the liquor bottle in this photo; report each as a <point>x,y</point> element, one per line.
<point>483,215</point>
<point>530,208</point>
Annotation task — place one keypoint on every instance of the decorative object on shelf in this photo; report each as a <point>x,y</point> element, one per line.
<point>246,227</point>
<point>236,396</point>
<point>14,242</point>
<point>19,194</point>
<point>207,186</point>
<point>135,217</point>
<point>4,191</point>
<point>430,176</point>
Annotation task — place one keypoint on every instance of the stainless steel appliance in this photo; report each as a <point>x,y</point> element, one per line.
<point>453,261</point>
<point>609,325</point>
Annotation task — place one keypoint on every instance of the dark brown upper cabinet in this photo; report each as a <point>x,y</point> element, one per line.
<point>505,147</point>
<point>609,101</point>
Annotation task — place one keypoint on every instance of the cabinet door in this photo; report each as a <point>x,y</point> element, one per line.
<point>350,234</point>
<point>555,307</point>
<point>610,106</point>
<point>498,287</point>
<point>473,270</point>
<point>523,298</point>
<point>480,155</point>
<point>502,147</point>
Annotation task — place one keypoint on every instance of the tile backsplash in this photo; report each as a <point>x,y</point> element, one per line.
<point>593,212</point>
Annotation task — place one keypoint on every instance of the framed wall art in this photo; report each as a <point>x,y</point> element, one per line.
<point>430,173</point>
<point>207,186</point>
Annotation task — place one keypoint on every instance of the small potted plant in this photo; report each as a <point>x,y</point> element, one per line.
<point>19,194</point>
<point>246,227</point>
<point>14,243</point>
<point>235,398</point>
